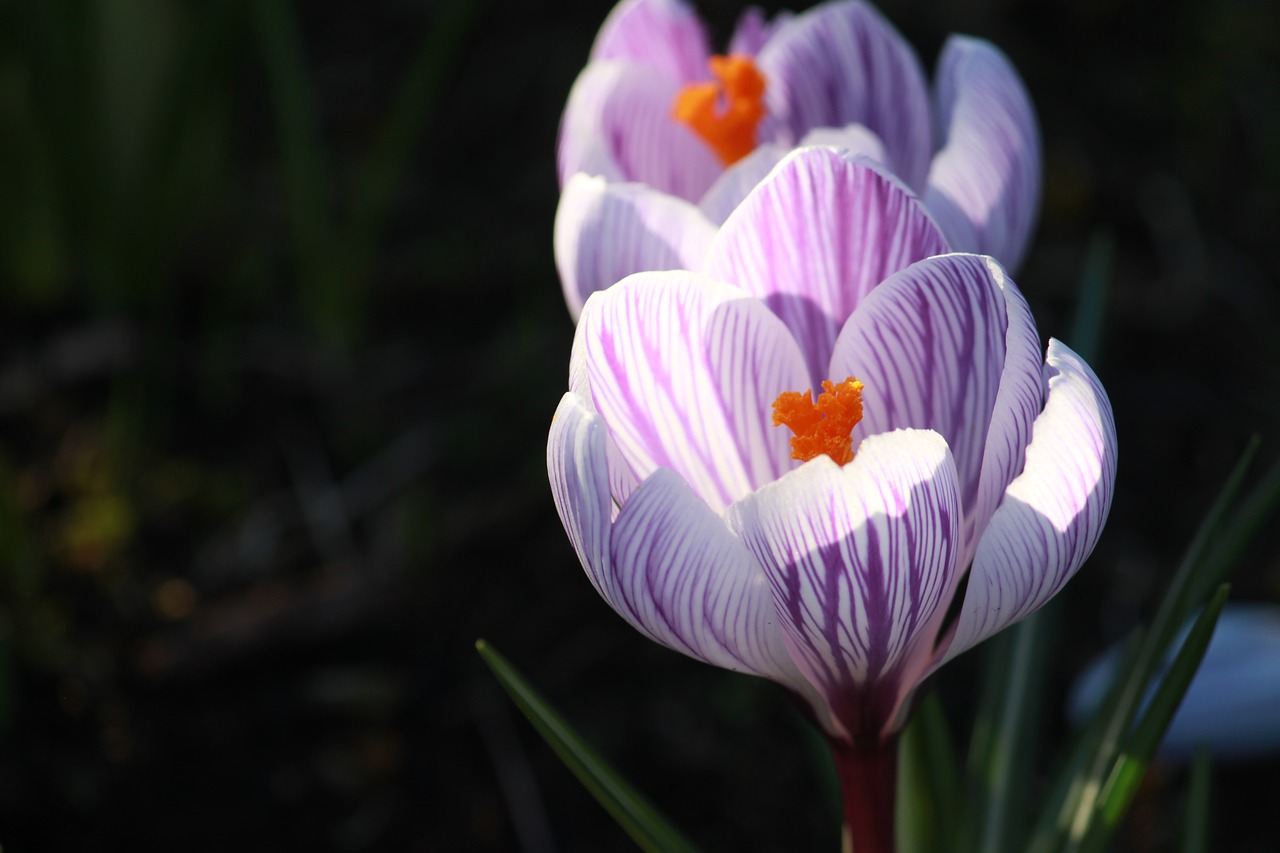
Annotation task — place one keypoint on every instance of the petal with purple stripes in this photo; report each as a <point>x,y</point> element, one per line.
<point>815,237</point>
<point>606,231</point>
<point>684,369</point>
<point>984,185</point>
<point>684,579</point>
<point>862,562</point>
<point>754,30</point>
<point>577,469</point>
<point>842,63</point>
<point>618,125</point>
<point>621,481</point>
<point>948,344</point>
<point>665,35</point>
<point>1053,513</point>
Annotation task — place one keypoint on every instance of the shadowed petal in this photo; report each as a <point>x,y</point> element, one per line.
<point>665,35</point>
<point>1053,513</point>
<point>862,561</point>
<point>685,369</point>
<point>618,125</point>
<point>843,63</point>
<point>685,580</point>
<point>948,344</point>
<point>606,231</point>
<point>984,185</point>
<point>815,237</point>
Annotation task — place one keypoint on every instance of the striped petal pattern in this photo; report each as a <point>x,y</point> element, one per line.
<point>605,231</point>
<point>815,237</point>
<point>660,34</point>
<point>932,345</point>
<point>984,185</point>
<point>668,565</point>
<point>618,125</point>
<point>684,370</point>
<point>842,63</point>
<point>862,563</point>
<point>1052,514</point>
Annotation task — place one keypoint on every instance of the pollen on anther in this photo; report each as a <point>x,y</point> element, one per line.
<point>824,426</point>
<point>725,112</point>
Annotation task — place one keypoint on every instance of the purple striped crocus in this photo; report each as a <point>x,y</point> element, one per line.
<point>954,457</point>
<point>654,153</point>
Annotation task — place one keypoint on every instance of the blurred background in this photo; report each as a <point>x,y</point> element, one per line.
<point>280,339</point>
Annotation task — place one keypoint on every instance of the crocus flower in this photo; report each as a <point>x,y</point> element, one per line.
<point>1232,707</point>
<point>974,456</point>
<point>655,153</point>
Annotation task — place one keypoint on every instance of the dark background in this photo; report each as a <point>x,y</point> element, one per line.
<point>280,339</point>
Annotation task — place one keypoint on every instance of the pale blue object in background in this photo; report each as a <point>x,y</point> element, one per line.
<point>1233,705</point>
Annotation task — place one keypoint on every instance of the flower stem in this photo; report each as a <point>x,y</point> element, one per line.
<point>868,779</point>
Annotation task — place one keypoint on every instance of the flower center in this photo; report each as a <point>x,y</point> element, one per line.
<point>725,113</point>
<point>822,427</point>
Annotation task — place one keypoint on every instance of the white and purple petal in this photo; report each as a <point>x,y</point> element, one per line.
<point>1052,513</point>
<point>948,344</point>
<point>862,562</point>
<point>605,231</point>
<point>815,237</point>
<point>682,577</point>
<point>664,35</point>
<point>843,63</point>
<point>984,184</point>
<point>618,125</point>
<point>685,369</point>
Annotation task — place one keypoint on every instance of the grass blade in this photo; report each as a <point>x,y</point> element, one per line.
<point>1141,745</point>
<point>1195,831</point>
<point>633,813</point>
<point>929,809</point>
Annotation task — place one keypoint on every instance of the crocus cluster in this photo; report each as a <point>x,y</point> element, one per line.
<point>948,464</point>
<point>655,154</point>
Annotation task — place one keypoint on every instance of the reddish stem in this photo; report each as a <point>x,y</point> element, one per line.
<point>869,781</point>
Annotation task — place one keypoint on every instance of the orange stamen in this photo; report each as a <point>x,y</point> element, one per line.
<point>823,427</point>
<point>725,113</point>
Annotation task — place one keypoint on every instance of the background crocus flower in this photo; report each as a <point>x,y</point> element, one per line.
<point>838,74</point>
<point>974,453</point>
<point>1233,705</point>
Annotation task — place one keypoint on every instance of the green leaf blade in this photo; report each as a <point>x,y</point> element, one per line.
<point>633,812</point>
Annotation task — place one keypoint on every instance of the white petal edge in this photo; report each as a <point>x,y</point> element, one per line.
<point>1052,514</point>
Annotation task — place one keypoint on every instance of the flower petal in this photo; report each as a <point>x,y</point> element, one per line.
<point>683,578</point>
<point>618,125</point>
<point>665,35</point>
<point>578,471</point>
<point>684,370</point>
<point>842,63</point>
<point>737,181</point>
<point>1053,513</point>
<point>815,237</point>
<point>606,231</point>
<point>948,344</point>
<point>621,481</point>
<point>754,30</point>
<point>862,561</point>
<point>855,139</point>
<point>984,185</point>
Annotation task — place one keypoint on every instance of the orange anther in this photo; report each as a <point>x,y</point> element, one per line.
<point>725,113</point>
<point>824,427</point>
